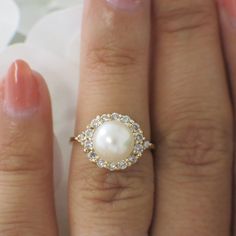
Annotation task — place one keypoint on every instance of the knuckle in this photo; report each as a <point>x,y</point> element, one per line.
<point>112,59</point>
<point>16,228</point>
<point>19,156</point>
<point>202,147</point>
<point>186,18</point>
<point>111,188</point>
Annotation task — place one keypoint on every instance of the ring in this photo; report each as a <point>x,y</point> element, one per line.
<point>113,141</point>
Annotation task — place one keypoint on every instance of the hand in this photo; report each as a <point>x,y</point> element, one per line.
<point>162,64</point>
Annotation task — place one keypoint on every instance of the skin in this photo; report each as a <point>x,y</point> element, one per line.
<point>227,12</point>
<point>162,63</point>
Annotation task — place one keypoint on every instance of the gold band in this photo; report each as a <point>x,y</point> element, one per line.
<point>74,139</point>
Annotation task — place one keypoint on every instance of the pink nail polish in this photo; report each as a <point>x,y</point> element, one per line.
<point>229,5</point>
<point>125,4</point>
<point>21,91</point>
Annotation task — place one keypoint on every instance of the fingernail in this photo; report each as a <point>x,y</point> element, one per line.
<point>125,4</point>
<point>21,91</point>
<point>229,6</point>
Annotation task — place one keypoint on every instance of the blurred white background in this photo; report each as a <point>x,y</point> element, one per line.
<point>46,33</point>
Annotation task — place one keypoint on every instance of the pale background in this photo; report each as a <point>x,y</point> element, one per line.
<point>46,33</point>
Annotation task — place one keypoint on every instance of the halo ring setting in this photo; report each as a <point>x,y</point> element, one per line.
<point>113,141</point>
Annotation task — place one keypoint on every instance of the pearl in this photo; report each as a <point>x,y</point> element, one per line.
<point>113,141</point>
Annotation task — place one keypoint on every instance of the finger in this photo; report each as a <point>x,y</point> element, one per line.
<point>193,120</point>
<point>26,192</point>
<point>227,10</point>
<point>114,78</point>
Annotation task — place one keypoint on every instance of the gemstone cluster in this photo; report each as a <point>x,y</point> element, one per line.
<point>113,141</point>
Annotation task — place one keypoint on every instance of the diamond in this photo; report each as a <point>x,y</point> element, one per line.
<point>89,133</point>
<point>135,127</point>
<point>81,138</point>
<point>125,119</point>
<point>92,156</point>
<point>115,116</point>
<point>112,166</point>
<point>122,165</point>
<point>147,144</point>
<point>88,144</point>
<point>138,148</point>
<point>101,164</point>
<point>95,123</point>
<point>133,159</point>
<point>105,118</point>
<point>139,138</point>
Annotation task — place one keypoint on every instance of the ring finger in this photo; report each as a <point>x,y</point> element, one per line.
<point>114,78</point>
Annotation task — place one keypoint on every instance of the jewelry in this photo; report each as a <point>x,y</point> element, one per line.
<point>113,141</point>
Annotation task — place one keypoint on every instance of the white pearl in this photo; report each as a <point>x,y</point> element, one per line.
<point>113,141</point>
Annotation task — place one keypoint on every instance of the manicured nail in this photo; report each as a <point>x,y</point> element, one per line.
<point>125,4</point>
<point>230,7</point>
<point>21,91</point>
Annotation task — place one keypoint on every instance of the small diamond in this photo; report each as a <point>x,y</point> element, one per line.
<point>95,123</point>
<point>139,138</point>
<point>92,156</point>
<point>112,166</point>
<point>138,148</point>
<point>125,119</point>
<point>101,164</point>
<point>115,116</point>
<point>147,144</point>
<point>122,165</point>
<point>135,127</point>
<point>81,138</point>
<point>105,118</point>
<point>133,159</point>
<point>88,145</point>
<point>89,133</point>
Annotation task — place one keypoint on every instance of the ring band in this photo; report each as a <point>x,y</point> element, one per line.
<point>113,141</point>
